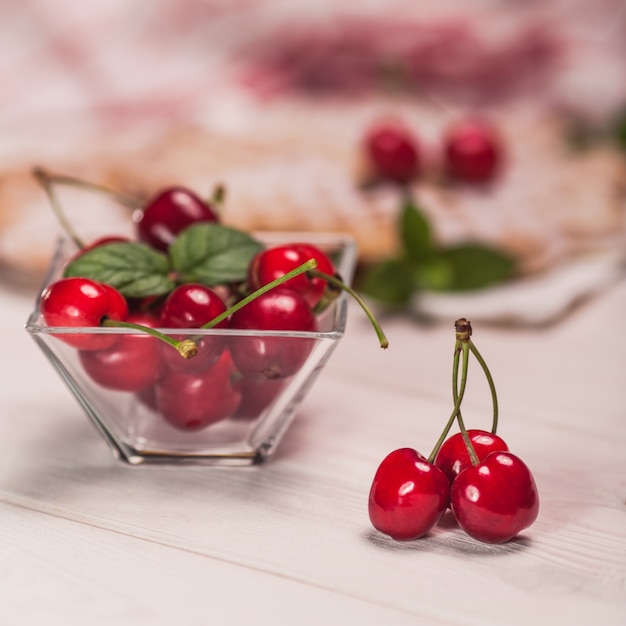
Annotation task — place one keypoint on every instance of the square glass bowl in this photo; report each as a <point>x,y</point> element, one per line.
<point>213,416</point>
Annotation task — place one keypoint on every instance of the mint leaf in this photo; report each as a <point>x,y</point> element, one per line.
<point>474,266</point>
<point>415,232</point>
<point>135,269</point>
<point>212,254</point>
<point>390,282</point>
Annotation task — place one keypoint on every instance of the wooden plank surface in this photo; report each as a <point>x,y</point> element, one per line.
<point>84,539</point>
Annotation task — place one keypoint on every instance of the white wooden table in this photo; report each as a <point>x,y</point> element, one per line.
<point>85,540</point>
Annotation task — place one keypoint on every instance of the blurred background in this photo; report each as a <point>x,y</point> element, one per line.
<point>275,101</point>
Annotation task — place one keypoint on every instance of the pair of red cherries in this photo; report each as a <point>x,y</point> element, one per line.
<point>471,152</point>
<point>491,491</point>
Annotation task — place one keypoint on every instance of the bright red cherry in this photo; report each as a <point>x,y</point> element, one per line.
<point>192,401</point>
<point>453,456</point>
<point>169,212</point>
<point>273,356</point>
<point>393,153</point>
<point>133,363</point>
<point>496,499</point>
<point>408,495</point>
<point>192,305</point>
<point>81,302</point>
<point>472,152</point>
<point>274,262</point>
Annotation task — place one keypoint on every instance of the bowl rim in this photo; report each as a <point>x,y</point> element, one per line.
<point>346,268</point>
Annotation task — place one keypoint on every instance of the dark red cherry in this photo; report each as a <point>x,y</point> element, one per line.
<point>81,302</point>
<point>408,495</point>
<point>169,212</point>
<point>192,305</point>
<point>496,499</point>
<point>274,262</point>
<point>392,153</point>
<point>256,394</point>
<point>133,363</point>
<point>273,357</point>
<point>194,400</point>
<point>472,152</point>
<point>453,456</point>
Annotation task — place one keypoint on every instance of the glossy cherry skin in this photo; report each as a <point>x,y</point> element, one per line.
<point>495,500</point>
<point>194,400</point>
<point>272,357</point>
<point>274,262</point>
<point>192,305</point>
<point>169,212</point>
<point>392,153</point>
<point>453,456</point>
<point>473,152</point>
<point>80,302</point>
<point>133,363</point>
<point>408,495</point>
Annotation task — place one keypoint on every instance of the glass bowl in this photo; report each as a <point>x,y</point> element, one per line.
<point>212,412</point>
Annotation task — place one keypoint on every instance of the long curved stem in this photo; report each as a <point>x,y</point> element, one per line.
<point>335,281</point>
<point>48,179</point>
<point>492,387</point>
<point>188,347</point>
<point>458,350</point>
<point>45,181</point>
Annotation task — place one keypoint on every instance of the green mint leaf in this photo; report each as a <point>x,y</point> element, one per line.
<point>434,274</point>
<point>390,282</point>
<point>213,254</point>
<point>415,232</point>
<point>474,266</point>
<point>134,269</point>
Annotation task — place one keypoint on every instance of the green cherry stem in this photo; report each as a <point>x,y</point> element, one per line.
<point>188,347</point>
<point>337,283</point>
<point>301,269</point>
<point>492,387</point>
<point>47,180</point>
<point>461,347</point>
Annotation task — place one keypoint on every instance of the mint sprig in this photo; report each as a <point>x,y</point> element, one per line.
<point>205,252</point>
<point>422,264</point>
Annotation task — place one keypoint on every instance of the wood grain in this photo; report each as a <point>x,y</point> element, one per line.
<point>86,540</point>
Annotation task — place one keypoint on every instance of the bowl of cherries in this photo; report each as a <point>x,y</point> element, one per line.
<point>193,342</point>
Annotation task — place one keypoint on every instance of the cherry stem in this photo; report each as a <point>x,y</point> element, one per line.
<point>47,180</point>
<point>301,269</point>
<point>466,439</point>
<point>462,346</point>
<point>188,347</point>
<point>337,282</point>
<point>492,387</point>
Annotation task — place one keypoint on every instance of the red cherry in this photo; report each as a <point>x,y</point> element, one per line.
<point>272,263</point>
<point>81,302</point>
<point>496,499</point>
<point>453,456</point>
<point>256,394</point>
<point>191,306</point>
<point>194,400</point>
<point>393,153</point>
<point>472,152</point>
<point>408,495</point>
<point>272,357</point>
<point>169,212</point>
<point>133,363</point>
